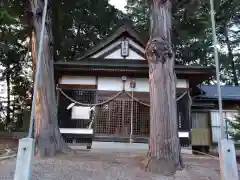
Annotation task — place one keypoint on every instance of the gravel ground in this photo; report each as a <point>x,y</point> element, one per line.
<point>109,166</point>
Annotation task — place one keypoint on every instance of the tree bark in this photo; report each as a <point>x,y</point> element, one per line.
<point>164,147</point>
<point>34,54</point>
<point>48,136</point>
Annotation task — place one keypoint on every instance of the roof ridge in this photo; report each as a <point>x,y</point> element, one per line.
<point>110,38</point>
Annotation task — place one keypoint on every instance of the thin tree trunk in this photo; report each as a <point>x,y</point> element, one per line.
<point>13,107</point>
<point>164,148</point>
<point>8,118</point>
<point>230,56</point>
<point>76,41</point>
<point>56,29</point>
<point>49,139</point>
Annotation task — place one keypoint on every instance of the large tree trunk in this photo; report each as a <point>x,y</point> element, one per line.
<point>49,139</point>
<point>164,148</point>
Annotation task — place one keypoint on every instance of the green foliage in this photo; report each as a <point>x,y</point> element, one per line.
<point>79,25</point>
<point>5,17</point>
<point>13,63</point>
<point>234,127</point>
<point>192,34</point>
<point>189,27</point>
<point>228,34</point>
<point>76,26</point>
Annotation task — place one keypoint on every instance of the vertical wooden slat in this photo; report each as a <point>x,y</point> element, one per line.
<point>117,120</point>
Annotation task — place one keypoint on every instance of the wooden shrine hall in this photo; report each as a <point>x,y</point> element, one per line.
<point>113,76</point>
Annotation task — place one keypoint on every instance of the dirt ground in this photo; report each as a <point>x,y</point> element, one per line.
<point>87,165</point>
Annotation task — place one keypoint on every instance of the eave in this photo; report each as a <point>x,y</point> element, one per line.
<point>212,99</point>
<point>195,74</point>
<point>127,64</point>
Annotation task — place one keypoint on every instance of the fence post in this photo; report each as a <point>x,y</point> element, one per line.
<point>227,159</point>
<point>25,154</point>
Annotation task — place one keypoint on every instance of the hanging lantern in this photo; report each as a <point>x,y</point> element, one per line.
<point>124,78</point>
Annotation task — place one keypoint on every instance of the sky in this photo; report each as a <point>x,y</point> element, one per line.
<point>119,4</point>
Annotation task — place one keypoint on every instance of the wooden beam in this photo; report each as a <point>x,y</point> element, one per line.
<point>77,86</point>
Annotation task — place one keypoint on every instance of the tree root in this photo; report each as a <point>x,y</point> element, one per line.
<point>69,152</point>
<point>64,151</point>
<point>166,167</point>
<point>52,148</point>
<point>144,163</point>
<point>160,166</point>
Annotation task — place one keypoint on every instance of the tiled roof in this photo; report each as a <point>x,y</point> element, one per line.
<point>228,92</point>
